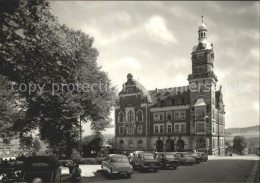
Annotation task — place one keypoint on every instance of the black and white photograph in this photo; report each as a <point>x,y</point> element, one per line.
<point>129,91</point>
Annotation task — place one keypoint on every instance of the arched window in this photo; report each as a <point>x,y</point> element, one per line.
<point>121,143</point>
<point>140,143</point>
<point>139,116</point>
<point>180,145</point>
<point>130,115</point>
<point>130,144</point>
<point>120,117</point>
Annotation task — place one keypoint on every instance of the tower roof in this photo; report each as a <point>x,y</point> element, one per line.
<point>202,26</point>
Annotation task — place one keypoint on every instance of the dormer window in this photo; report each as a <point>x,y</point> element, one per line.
<point>129,90</point>
<point>200,112</point>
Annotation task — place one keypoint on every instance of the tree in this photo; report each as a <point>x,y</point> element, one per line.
<point>239,144</point>
<point>38,53</point>
<point>111,141</point>
<point>92,143</point>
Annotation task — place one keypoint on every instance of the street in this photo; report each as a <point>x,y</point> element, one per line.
<point>210,171</point>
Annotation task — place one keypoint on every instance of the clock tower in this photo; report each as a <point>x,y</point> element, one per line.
<point>202,91</point>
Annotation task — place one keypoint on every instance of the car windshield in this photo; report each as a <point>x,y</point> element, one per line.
<point>119,159</point>
<point>151,157</point>
<point>168,156</point>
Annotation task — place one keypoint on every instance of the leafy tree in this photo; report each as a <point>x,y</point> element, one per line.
<point>36,51</point>
<point>239,144</point>
<point>92,143</point>
<point>111,141</point>
<point>10,109</point>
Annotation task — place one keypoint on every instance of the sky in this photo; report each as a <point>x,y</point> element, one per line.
<point>153,40</point>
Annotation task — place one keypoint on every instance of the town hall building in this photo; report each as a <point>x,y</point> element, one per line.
<point>184,118</point>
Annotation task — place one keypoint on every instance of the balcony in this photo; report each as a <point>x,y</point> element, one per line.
<point>200,133</point>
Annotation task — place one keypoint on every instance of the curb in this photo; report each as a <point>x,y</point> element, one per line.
<point>253,172</point>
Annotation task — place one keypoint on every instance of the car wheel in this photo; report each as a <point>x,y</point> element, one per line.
<point>155,170</point>
<point>128,175</point>
<point>174,167</point>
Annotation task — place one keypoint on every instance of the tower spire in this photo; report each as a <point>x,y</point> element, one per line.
<point>202,14</point>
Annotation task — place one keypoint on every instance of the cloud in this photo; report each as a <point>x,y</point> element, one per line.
<point>156,28</point>
<point>256,106</point>
<point>126,63</point>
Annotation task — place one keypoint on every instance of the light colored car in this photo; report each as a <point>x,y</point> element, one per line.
<point>117,164</point>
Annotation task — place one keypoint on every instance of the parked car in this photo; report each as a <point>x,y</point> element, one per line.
<point>146,161</point>
<point>203,155</point>
<point>167,160</point>
<point>197,157</point>
<point>184,159</point>
<point>40,169</point>
<point>117,164</point>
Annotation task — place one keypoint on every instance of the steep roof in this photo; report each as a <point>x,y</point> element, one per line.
<point>165,93</point>
<point>200,102</point>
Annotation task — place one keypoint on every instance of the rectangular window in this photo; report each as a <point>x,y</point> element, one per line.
<point>139,129</point>
<point>176,114</point>
<point>121,130</point>
<point>183,128</point>
<point>168,102</point>
<point>158,128</point>
<point>7,151</point>
<point>169,115</point>
<point>200,126</point>
<point>130,130</point>
<point>1,151</point>
<point>213,127</point>
<point>200,112</point>
<point>161,128</point>
<point>180,127</point>
<point>159,116</point>
<point>183,114</point>
<point>179,101</point>
<point>169,128</point>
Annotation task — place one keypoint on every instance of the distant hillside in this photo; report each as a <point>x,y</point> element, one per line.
<point>243,130</point>
<point>247,132</point>
<point>108,136</point>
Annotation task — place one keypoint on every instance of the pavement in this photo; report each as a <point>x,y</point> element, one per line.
<point>87,170</point>
<point>234,157</point>
<point>217,170</point>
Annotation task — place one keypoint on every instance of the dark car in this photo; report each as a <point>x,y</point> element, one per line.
<point>146,161</point>
<point>167,160</point>
<point>184,159</point>
<point>40,169</point>
<point>197,157</point>
<point>203,155</point>
<point>117,164</point>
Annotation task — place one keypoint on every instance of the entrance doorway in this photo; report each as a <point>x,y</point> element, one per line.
<point>169,145</point>
<point>159,145</point>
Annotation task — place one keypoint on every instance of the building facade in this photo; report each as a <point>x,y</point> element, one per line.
<point>182,118</point>
<point>9,150</point>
